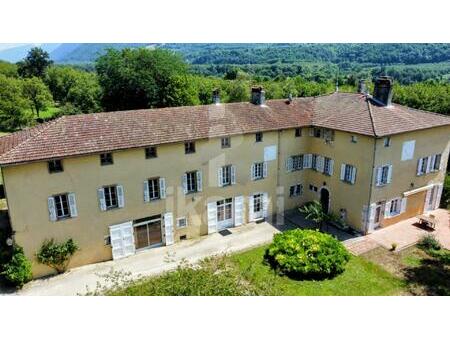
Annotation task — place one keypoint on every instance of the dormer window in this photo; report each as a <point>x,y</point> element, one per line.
<point>55,166</point>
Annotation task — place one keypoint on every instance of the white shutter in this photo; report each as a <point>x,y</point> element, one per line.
<point>120,197</point>
<point>238,210</point>
<point>371,219</point>
<point>426,207</point>
<point>378,173</point>
<point>331,167</point>
<point>428,164</point>
<point>320,163</point>
<point>433,161</point>
<point>212,217</point>
<point>252,172</point>
<point>251,215</point>
<point>168,228</point>
<point>307,161</point>
<point>220,177</point>
<point>342,172</point>
<point>162,187</point>
<point>51,209</point>
<point>264,169</point>
<point>265,204</point>
<point>353,175</point>
<point>146,192</point>
<point>387,209</point>
<point>199,180</point>
<point>233,174</point>
<point>72,205</point>
<point>419,167</point>
<point>101,199</point>
<point>289,164</point>
<point>184,183</point>
<point>438,196</point>
<point>441,163</point>
<point>389,175</point>
<point>403,205</point>
<point>122,240</point>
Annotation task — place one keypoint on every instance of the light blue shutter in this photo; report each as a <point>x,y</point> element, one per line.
<point>389,176</point>
<point>101,199</point>
<point>265,204</point>
<point>168,228</point>
<point>233,174</point>
<point>184,183</point>
<point>220,177</point>
<point>52,209</point>
<point>264,169</point>
<point>353,175</point>
<point>252,172</point>
<point>342,172</point>
<point>331,167</point>
<point>238,210</point>
<point>162,187</point>
<point>212,217</point>
<point>199,180</point>
<point>120,197</point>
<point>72,205</point>
<point>146,192</point>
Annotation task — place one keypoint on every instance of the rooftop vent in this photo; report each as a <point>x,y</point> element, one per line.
<point>383,90</point>
<point>216,96</point>
<point>362,86</point>
<point>258,96</point>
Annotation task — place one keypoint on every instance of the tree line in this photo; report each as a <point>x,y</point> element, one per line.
<point>144,78</point>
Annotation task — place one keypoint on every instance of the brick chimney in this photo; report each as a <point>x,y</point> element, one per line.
<point>362,89</point>
<point>383,90</point>
<point>216,96</point>
<point>258,96</point>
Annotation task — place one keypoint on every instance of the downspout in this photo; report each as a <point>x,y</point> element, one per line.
<point>373,168</point>
<point>278,176</point>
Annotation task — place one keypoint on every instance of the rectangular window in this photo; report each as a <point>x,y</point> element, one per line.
<point>298,132</point>
<point>55,166</point>
<point>354,139</point>
<point>348,173</point>
<point>153,188</point>
<point>106,159</point>
<point>150,152</point>
<point>181,222</point>
<point>312,188</point>
<point>111,197</point>
<point>295,190</point>
<point>423,163</point>
<point>437,162</point>
<point>225,142</point>
<point>225,210</point>
<point>62,206</point>
<point>258,171</point>
<point>318,132</point>
<point>327,166</point>
<point>387,141</point>
<point>314,162</point>
<point>297,162</point>
<point>226,178</point>
<point>258,137</point>
<point>189,147</point>
<point>191,181</point>
<point>395,206</point>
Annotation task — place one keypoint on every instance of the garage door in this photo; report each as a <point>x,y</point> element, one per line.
<point>122,240</point>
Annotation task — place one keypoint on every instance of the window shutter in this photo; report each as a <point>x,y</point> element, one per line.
<point>433,161</point>
<point>51,209</point>
<point>331,167</point>
<point>168,228</point>
<point>220,177</point>
<point>441,163</point>
<point>199,180</point>
<point>378,173</point>
<point>162,187</point>
<point>265,204</point>
<point>419,167</point>
<point>252,172</point>
<point>427,207</point>
<point>353,175</point>
<point>428,164</point>
<point>342,172</point>
<point>389,175</point>
<point>101,199</point>
<point>251,216</point>
<point>184,183</point>
<point>438,196</point>
<point>307,161</point>
<point>290,164</point>
<point>319,163</point>
<point>264,169</point>
<point>146,192</point>
<point>238,210</point>
<point>72,205</point>
<point>212,217</point>
<point>387,209</point>
<point>233,174</point>
<point>372,209</point>
<point>120,197</point>
<point>403,205</point>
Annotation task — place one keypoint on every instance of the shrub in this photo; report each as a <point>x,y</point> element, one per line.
<point>55,255</point>
<point>429,242</point>
<point>18,270</point>
<point>307,254</point>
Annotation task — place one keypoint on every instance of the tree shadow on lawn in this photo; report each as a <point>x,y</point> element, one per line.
<point>431,278</point>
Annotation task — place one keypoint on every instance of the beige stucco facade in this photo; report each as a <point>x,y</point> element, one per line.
<point>29,185</point>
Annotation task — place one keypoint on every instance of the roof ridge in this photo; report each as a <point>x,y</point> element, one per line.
<point>49,124</point>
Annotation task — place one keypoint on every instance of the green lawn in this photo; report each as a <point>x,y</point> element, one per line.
<point>48,113</point>
<point>246,274</point>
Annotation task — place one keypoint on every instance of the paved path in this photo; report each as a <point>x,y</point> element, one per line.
<point>152,261</point>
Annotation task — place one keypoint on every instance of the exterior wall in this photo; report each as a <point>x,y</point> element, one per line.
<point>404,173</point>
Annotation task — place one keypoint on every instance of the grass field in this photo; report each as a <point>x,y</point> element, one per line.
<point>48,113</point>
<point>247,269</point>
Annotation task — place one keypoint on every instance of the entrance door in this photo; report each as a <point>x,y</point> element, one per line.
<point>224,213</point>
<point>122,240</point>
<point>379,212</point>
<point>258,206</point>
<point>147,232</point>
<point>325,199</point>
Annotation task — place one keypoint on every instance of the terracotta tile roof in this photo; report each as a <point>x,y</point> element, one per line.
<point>94,133</point>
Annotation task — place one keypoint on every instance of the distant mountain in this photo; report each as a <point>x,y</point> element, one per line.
<point>17,53</point>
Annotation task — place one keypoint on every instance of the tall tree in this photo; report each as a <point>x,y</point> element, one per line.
<point>35,63</point>
<point>13,106</point>
<point>142,78</point>
<point>38,94</point>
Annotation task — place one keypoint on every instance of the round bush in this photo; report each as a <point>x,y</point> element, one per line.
<point>307,254</point>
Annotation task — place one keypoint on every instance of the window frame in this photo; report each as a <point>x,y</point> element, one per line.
<point>53,169</point>
<point>109,197</point>
<point>59,197</point>
<point>178,222</point>
<point>225,142</point>
<point>154,189</point>
<point>189,147</point>
<point>191,182</point>
<point>258,168</point>
<point>296,190</point>
<point>354,139</point>
<point>106,159</point>
<point>151,154</point>
<point>298,132</point>
<point>297,159</point>
<point>348,173</point>
<point>258,136</point>
<point>438,163</point>
<point>387,141</point>
<point>397,207</point>
<point>327,166</point>
<point>226,172</point>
